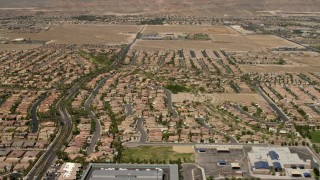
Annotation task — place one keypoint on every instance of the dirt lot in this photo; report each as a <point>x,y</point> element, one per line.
<point>304,62</point>
<point>232,42</point>
<point>218,98</point>
<point>299,64</point>
<point>271,41</point>
<point>9,47</point>
<point>180,97</point>
<point>277,68</point>
<point>183,149</point>
<point>237,97</point>
<point>83,34</point>
<point>190,29</point>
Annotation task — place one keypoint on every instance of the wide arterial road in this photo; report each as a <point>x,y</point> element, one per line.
<point>63,135</point>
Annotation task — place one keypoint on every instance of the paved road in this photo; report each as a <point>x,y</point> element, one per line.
<point>87,106</point>
<point>50,155</point>
<point>273,106</point>
<point>64,135</point>
<point>137,144</point>
<point>65,130</point>
<point>206,125</point>
<point>34,117</point>
<point>122,55</point>
<point>315,108</point>
<point>255,118</point>
<point>169,102</point>
<point>143,133</point>
<point>128,109</point>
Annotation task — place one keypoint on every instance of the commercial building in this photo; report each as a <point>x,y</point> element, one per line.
<point>264,160</point>
<point>113,174</point>
<point>68,171</point>
<point>98,171</point>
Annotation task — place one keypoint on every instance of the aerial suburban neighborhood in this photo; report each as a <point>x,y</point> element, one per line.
<point>172,91</point>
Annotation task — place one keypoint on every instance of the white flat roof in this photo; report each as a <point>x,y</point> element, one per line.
<point>285,156</point>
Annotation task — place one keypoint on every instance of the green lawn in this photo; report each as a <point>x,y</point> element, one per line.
<point>315,135</point>
<point>176,88</point>
<point>155,153</point>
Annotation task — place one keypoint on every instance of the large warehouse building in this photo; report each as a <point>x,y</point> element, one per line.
<point>99,171</point>
<point>264,160</point>
<point>113,174</point>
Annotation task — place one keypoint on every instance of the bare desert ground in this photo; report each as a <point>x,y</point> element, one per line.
<point>180,97</point>
<point>9,47</point>
<point>83,34</point>
<point>237,97</point>
<point>276,68</point>
<point>271,41</point>
<point>299,64</point>
<point>183,149</point>
<point>218,98</point>
<point>232,42</point>
<point>189,29</point>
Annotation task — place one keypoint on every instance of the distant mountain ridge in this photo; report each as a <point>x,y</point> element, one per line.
<point>184,7</point>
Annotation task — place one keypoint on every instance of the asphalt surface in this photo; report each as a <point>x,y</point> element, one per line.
<point>315,108</point>
<point>122,55</point>
<point>64,134</point>
<point>87,106</point>
<point>128,109</point>
<point>273,106</point>
<point>304,153</point>
<point>50,155</point>
<point>169,104</point>
<point>187,171</point>
<point>143,133</point>
<point>136,144</point>
<point>34,117</point>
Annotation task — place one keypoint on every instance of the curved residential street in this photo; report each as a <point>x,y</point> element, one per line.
<point>34,117</point>
<point>63,135</point>
<point>143,133</point>
<point>128,109</point>
<point>87,106</point>
<point>169,103</point>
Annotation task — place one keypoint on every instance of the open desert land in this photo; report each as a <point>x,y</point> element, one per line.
<point>272,41</point>
<point>10,47</point>
<point>218,98</point>
<point>237,97</point>
<point>83,34</point>
<point>231,42</point>
<point>299,64</point>
<point>193,29</point>
<point>277,68</point>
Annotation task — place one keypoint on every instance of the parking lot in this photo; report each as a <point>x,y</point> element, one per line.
<point>304,154</point>
<point>209,160</point>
